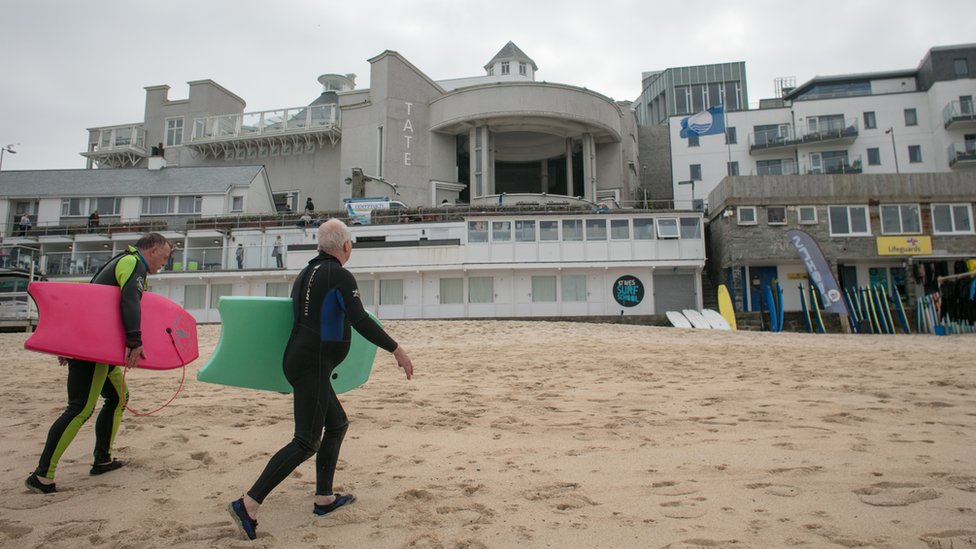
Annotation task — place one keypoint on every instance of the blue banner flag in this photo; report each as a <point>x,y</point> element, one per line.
<point>707,122</point>
<point>818,271</point>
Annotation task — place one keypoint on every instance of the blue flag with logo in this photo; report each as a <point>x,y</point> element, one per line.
<point>707,122</point>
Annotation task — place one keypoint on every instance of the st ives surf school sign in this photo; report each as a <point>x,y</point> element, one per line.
<point>628,291</point>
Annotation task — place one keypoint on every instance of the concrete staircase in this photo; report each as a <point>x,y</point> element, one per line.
<point>709,293</point>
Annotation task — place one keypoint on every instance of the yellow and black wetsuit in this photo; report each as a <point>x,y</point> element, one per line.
<point>86,380</point>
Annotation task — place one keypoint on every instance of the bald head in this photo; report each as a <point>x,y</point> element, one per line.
<point>333,234</point>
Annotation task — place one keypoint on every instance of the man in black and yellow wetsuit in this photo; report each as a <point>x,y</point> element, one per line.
<point>326,309</point>
<point>86,380</point>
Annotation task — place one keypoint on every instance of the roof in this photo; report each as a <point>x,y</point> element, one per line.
<point>126,182</point>
<point>511,52</point>
<point>856,77</point>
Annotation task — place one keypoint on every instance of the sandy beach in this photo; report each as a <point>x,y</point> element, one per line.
<point>536,434</point>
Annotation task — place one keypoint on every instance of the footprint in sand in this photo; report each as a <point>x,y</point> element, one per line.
<point>951,539</point>
<point>706,544</point>
<point>895,494</point>
<point>684,509</point>
<point>12,530</point>
<point>781,490</point>
<point>673,488</point>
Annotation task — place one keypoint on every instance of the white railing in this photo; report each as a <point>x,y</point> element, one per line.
<point>111,138</point>
<point>253,124</point>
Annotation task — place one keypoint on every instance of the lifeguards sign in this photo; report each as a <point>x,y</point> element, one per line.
<point>905,245</point>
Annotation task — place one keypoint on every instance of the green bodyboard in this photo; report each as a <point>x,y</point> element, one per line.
<point>253,336</point>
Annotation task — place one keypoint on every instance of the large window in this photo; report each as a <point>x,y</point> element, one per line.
<point>643,228</point>
<point>596,229</point>
<point>367,293</point>
<point>218,291</point>
<point>952,219</point>
<point>452,291</point>
<point>690,227</point>
<point>481,289</point>
<point>619,229</point>
<point>900,219</point>
<point>174,131</point>
<point>543,289</point>
<point>574,288</point>
<point>548,230</point>
<point>277,289</point>
<point>195,296</point>
<point>667,227</point>
<point>391,292</point>
<point>477,231</point>
<point>167,205</point>
<point>572,229</point>
<point>501,231</point>
<point>524,231</point>
<point>849,221</point>
<point>83,206</point>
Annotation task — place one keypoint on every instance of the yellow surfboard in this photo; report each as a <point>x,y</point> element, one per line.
<point>725,305</point>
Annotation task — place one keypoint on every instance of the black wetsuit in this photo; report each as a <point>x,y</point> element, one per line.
<point>86,380</point>
<point>327,307</point>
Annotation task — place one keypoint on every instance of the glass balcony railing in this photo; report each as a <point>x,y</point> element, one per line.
<point>786,167</point>
<point>772,138</point>
<point>291,120</point>
<point>957,112</point>
<point>832,166</point>
<point>962,153</point>
<point>116,138</point>
<point>828,129</point>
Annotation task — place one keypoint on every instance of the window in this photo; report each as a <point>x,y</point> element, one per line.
<point>694,172</point>
<point>776,215</point>
<point>548,230</point>
<point>870,120</point>
<point>952,218</point>
<point>746,215</point>
<point>874,157</point>
<point>481,289</point>
<point>505,67</point>
<point>277,289</point>
<point>733,168</point>
<point>72,206</point>
<point>667,227</point>
<point>782,166</point>
<point>452,291</point>
<point>730,136</point>
<point>522,68</point>
<point>900,219</point>
<point>914,154</point>
<point>543,289</point>
<point>643,229</point>
<point>477,231</point>
<point>572,230</point>
<point>174,131</point>
<point>911,117</point>
<point>693,141</point>
<point>574,288</point>
<point>194,296</point>
<point>690,228</point>
<point>596,229</point>
<point>237,204</point>
<point>367,293</point>
<point>524,231</point>
<point>218,291</point>
<point>961,66</point>
<point>848,221</point>
<point>619,229</point>
<point>501,231</point>
<point>105,206</point>
<point>167,205</point>
<point>807,215</point>
<point>391,292</point>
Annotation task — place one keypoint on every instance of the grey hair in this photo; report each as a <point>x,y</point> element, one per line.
<point>332,236</point>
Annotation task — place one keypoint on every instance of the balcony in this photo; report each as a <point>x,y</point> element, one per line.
<point>832,132</point>
<point>785,167</point>
<point>118,146</point>
<point>962,155</point>
<point>832,166</point>
<point>261,134</point>
<point>773,140</point>
<point>959,114</point>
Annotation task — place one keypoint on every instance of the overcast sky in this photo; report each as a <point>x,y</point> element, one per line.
<point>67,65</point>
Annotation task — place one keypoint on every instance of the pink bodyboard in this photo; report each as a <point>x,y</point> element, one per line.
<point>84,321</point>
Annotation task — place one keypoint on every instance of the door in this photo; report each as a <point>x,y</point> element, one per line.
<point>760,278</point>
<point>816,163</point>
<point>848,276</point>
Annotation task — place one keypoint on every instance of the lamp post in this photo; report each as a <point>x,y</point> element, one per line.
<point>6,149</point>
<point>692,183</point>
<point>894,149</point>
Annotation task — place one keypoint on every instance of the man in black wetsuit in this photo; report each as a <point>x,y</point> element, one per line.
<point>86,380</point>
<point>326,307</point>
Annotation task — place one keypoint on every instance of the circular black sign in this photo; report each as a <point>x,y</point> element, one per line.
<point>628,291</point>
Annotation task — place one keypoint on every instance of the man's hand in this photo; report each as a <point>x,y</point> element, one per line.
<point>132,356</point>
<point>403,361</point>
<point>63,360</point>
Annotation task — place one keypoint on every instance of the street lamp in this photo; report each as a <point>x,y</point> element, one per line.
<point>692,183</point>
<point>6,149</point>
<point>894,150</point>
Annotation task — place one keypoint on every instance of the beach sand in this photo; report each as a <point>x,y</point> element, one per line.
<point>536,434</point>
